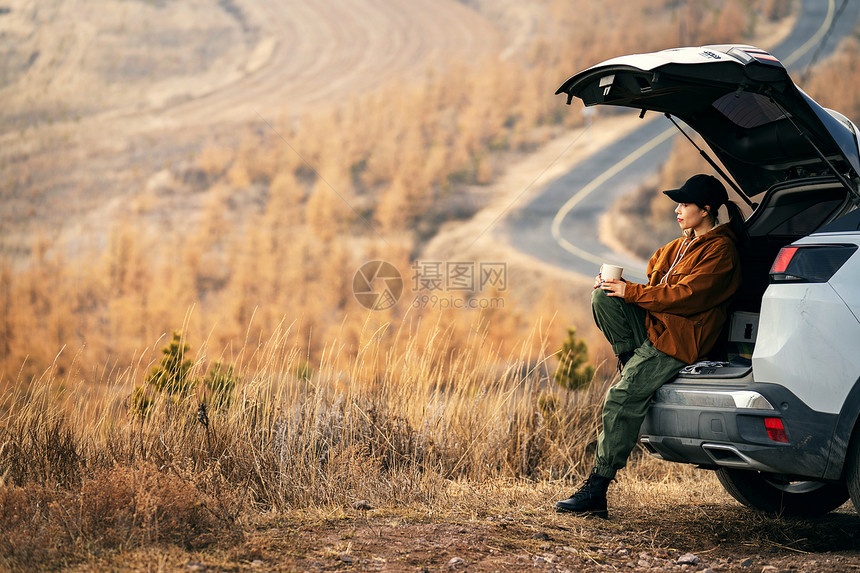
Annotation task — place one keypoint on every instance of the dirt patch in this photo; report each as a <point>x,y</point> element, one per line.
<point>643,534</point>
<point>678,539</point>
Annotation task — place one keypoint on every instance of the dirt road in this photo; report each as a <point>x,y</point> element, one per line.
<point>316,53</point>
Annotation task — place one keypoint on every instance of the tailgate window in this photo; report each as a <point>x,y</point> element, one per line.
<point>748,110</point>
<point>807,221</point>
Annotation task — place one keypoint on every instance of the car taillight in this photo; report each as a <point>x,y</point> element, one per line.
<point>775,430</point>
<point>809,263</point>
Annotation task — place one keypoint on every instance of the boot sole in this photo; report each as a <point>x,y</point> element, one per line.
<point>601,513</point>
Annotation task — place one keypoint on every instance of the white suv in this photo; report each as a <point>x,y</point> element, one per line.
<point>775,411</point>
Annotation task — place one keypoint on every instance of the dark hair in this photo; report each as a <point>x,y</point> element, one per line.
<point>736,218</point>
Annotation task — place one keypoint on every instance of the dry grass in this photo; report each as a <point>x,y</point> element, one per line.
<point>98,477</point>
<point>453,453</point>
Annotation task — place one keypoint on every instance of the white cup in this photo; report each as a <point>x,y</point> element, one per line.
<point>610,272</point>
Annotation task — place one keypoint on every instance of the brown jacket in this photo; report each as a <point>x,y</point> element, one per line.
<point>686,312</point>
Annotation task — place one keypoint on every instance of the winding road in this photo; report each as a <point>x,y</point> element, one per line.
<point>328,50</point>
<point>559,226</point>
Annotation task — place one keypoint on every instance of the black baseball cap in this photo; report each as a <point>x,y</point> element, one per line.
<point>702,190</point>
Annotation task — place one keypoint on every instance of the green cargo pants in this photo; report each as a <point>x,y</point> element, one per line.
<point>627,400</point>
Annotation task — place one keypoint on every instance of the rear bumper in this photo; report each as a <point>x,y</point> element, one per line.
<point>722,424</point>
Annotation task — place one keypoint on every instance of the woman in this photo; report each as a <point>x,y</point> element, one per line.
<point>657,328</point>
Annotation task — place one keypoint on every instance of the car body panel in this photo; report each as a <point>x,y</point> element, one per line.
<point>809,333</point>
<point>845,282</point>
<point>808,343</point>
<point>741,100</point>
<point>717,435</point>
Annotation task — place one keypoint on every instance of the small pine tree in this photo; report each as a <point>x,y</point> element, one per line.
<point>172,380</point>
<point>172,376</point>
<point>573,372</point>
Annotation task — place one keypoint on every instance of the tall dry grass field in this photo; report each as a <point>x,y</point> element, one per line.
<point>88,471</point>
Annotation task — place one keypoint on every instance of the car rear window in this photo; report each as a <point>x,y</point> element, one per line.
<point>807,220</point>
<point>748,110</point>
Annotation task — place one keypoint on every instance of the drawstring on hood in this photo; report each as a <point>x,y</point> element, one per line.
<point>685,246</point>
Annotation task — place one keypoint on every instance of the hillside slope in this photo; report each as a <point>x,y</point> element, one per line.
<point>100,95</point>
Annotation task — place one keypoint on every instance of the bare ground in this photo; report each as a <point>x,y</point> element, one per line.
<point>652,527</point>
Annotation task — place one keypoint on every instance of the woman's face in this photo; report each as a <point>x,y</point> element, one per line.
<point>690,216</point>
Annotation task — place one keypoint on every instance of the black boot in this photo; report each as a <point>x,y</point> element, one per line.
<point>590,499</point>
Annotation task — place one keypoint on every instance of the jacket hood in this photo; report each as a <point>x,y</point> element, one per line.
<point>721,231</point>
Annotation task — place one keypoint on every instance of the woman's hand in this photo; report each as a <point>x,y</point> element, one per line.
<point>598,280</point>
<point>614,287</point>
